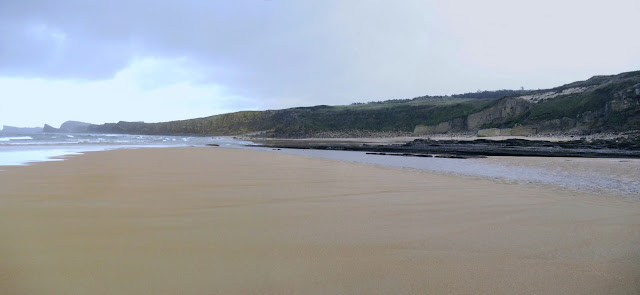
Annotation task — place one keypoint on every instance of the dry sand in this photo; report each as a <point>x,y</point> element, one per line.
<point>216,221</point>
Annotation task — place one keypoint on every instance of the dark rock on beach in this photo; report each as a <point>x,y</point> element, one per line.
<point>623,147</point>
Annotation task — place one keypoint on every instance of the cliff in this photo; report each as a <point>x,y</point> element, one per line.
<point>599,104</point>
<point>74,127</point>
<point>20,130</point>
<point>68,127</point>
<point>307,121</point>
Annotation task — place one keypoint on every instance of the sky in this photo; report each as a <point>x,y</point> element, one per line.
<point>161,60</point>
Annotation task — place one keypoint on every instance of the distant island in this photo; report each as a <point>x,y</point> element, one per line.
<point>601,104</point>
<point>11,130</point>
<point>68,127</point>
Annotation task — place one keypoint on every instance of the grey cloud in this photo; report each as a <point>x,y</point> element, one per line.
<point>327,50</point>
<point>277,51</point>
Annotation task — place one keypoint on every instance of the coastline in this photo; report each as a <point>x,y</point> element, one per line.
<point>622,180</point>
<point>612,177</point>
<point>618,147</point>
<point>198,220</point>
<point>26,149</point>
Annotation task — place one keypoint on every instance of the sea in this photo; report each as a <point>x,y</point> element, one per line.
<point>616,177</point>
<point>30,148</point>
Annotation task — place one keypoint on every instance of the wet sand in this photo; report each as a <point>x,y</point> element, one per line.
<point>218,221</point>
<point>401,139</point>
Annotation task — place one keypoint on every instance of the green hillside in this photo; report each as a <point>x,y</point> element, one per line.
<point>608,103</point>
<point>376,117</point>
<point>599,104</point>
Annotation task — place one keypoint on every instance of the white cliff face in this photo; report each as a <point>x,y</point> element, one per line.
<point>551,94</point>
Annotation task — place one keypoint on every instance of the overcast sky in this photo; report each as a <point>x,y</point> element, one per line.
<point>160,60</point>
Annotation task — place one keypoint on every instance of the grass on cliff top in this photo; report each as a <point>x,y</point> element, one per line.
<point>381,117</point>
<point>572,105</point>
<point>436,101</point>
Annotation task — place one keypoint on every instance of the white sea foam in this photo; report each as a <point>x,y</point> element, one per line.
<point>15,138</point>
<point>23,157</point>
<point>24,149</point>
<point>36,143</point>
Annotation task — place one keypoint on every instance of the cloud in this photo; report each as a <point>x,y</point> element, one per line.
<point>282,53</point>
<point>546,35</point>
<point>269,49</point>
<point>131,95</point>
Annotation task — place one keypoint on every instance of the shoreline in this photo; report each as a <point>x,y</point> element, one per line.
<point>438,145</point>
<point>44,147</point>
<point>474,147</point>
<point>525,161</point>
<point>616,177</point>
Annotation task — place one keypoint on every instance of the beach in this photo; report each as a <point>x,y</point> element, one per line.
<point>225,221</point>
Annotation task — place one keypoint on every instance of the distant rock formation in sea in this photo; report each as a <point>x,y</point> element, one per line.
<point>68,127</point>
<point>74,127</point>
<point>20,130</point>
<point>49,129</point>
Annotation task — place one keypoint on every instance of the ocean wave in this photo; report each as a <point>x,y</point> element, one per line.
<point>36,143</point>
<point>15,138</point>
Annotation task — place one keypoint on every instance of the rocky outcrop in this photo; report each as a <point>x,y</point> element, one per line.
<point>454,125</point>
<point>20,130</point>
<point>600,104</point>
<point>515,131</point>
<point>538,97</point>
<point>553,125</point>
<point>501,112</point>
<point>49,129</point>
<point>523,131</point>
<point>490,132</point>
<point>74,127</point>
<point>68,127</point>
<point>614,147</point>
